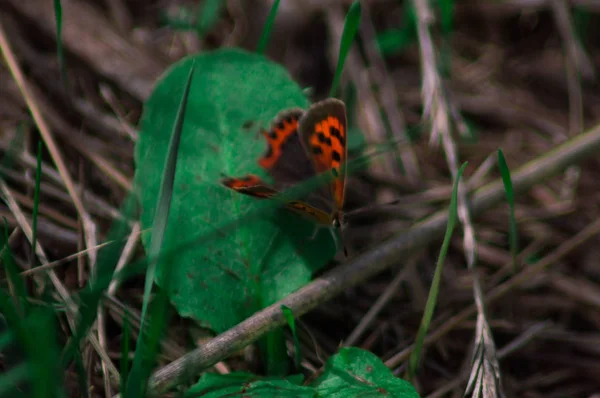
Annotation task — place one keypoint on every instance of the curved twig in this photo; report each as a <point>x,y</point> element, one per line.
<point>368,264</point>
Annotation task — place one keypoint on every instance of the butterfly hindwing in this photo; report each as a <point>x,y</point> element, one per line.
<point>323,131</point>
<point>253,186</point>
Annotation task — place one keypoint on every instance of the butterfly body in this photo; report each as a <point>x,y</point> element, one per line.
<point>300,145</point>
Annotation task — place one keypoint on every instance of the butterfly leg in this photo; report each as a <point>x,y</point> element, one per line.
<point>315,232</point>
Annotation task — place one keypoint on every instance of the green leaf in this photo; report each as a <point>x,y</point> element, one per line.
<point>353,372</point>
<point>213,385</point>
<point>239,271</point>
<point>350,373</point>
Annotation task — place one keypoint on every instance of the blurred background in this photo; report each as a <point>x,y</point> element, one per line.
<point>452,81</point>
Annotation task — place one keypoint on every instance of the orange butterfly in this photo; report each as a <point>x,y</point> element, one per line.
<point>302,144</point>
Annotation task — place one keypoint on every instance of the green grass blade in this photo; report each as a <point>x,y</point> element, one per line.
<point>79,370</point>
<point>291,321</point>
<point>350,28</point>
<point>12,319</point>
<point>413,361</point>
<point>273,348</point>
<point>36,202</point>
<point>40,350</point>
<point>147,344</point>
<point>59,43</point>
<point>44,354</point>
<point>266,33</point>
<point>447,25</point>
<point>165,194</point>
<point>207,16</point>
<point>510,198</point>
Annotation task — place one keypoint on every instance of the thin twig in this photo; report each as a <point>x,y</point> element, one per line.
<point>519,279</point>
<point>388,97</point>
<point>61,291</point>
<point>520,341</point>
<point>390,291</point>
<point>126,255</point>
<point>485,367</point>
<point>88,224</point>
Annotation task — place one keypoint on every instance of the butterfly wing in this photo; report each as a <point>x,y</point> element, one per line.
<point>253,186</point>
<point>285,159</point>
<point>323,131</point>
<point>250,185</point>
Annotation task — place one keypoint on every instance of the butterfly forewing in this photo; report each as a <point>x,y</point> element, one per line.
<point>285,159</point>
<point>323,130</point>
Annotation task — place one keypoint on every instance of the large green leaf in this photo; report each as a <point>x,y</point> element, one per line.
<point>222,279</point>
<point>248,385</point>
<point>353,372</point>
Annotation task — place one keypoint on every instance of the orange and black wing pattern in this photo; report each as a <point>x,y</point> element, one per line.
<point>323,130</point>
<point>285,158</point>
<point>250,185</point>
<point>284,127</point>
<point>253,186</point>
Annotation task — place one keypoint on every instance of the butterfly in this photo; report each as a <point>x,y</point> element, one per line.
<point>300,145</point>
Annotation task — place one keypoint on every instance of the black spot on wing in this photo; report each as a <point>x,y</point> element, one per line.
<point>323,139</point>
<point>317,150</point>
<point>334,132</point>
<point>335,155</point>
